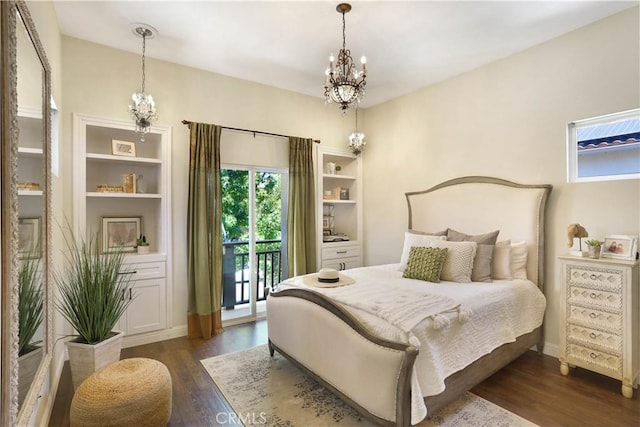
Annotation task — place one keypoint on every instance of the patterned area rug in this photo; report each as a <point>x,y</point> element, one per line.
<point>270,391</point>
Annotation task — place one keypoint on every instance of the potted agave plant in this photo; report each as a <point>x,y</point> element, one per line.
<point>595,246</point>
<point>142,244</point>
<point>91,290</point>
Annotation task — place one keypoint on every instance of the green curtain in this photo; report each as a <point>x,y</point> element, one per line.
<point>301,221</point>
<point>204,232</point>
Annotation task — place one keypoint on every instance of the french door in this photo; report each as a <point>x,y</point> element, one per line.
<point>254,238</point>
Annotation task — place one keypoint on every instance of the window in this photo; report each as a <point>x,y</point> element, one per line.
<point>604,148</point>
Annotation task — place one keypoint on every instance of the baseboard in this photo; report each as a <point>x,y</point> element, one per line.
<point>150,337</point>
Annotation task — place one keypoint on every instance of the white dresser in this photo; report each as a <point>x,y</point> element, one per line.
<point>599,312</point>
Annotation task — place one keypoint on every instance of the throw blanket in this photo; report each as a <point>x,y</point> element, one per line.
<point>402,307</point>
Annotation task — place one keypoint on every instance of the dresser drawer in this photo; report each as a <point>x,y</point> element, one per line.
<point>588,357</point>
<point>611,300</point>
<point>596,318</point>
<point>342,264</point>
<point>340,252</point>
<point>600,278</point>
<point>145,270</point>
<point>590,337</point>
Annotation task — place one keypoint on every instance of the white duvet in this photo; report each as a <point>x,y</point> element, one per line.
<point>501,311</point>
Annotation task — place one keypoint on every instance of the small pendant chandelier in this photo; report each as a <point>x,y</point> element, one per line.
<point>356,139</point>
<point>344,85</point>
<point>143,109</point>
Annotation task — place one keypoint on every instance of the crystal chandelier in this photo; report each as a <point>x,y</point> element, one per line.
<point>356,139</point>
<point>344,85</point>
<point>143,109</point>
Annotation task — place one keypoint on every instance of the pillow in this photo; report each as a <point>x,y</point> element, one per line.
<point>412,239</point>
<point>519,260</point>
<point>501,263</point>
<point>425,264</point>
<point>482,262</point>
<point>459,263</point>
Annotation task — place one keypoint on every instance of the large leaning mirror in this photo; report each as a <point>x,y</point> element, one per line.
<point>25,208</point>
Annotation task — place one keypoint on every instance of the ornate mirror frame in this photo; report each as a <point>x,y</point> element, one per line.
<point>11,412</point>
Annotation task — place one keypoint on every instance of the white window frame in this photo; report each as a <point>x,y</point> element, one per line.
<point>572,146</point>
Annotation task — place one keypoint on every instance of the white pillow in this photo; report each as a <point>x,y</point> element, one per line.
<point>412,239</point>
<point>501,262</point>
<point>459,262</point>
<point>519,260</point>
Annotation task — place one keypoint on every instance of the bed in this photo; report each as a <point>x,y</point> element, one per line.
<point>395,372</point>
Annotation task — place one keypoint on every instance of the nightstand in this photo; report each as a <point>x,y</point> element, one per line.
<point>599,318</point>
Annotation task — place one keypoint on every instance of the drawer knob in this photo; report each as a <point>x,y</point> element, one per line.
<point>593,355</point>
<point>592,315</point>
<point>592,335</point>
<point>594,277</point>
<point>593,295</point>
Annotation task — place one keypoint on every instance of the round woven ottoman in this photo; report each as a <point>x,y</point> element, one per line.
<point>131,392</point>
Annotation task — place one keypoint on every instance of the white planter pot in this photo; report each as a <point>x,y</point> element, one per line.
<point>85,359</point>
<point>144,249</point>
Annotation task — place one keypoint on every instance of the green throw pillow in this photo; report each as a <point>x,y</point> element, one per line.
<point>425,263</point>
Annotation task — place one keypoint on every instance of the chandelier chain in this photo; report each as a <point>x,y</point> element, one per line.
<point>144,48</point>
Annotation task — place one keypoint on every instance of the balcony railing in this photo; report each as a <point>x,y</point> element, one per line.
<point>236,272</point>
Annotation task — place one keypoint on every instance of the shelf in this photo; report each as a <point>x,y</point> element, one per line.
<point>30,152</point>
<point>30,193</point>
<point>333,201</point>
<point>115,195</point>
<point>336,176</point>
<point>97,157</point>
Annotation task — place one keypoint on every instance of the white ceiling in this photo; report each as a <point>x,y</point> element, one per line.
<point>286,44</point>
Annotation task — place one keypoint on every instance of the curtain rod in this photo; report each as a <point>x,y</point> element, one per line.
<point>187,122</point>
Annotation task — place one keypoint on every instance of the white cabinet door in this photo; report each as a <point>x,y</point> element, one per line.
<point>146,313</point>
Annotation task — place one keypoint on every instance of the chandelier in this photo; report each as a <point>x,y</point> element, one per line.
<point>356,139</point>
<point>344,85</point>
<point>143,109</point>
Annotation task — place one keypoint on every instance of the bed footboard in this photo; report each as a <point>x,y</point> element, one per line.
<point>371,374</point>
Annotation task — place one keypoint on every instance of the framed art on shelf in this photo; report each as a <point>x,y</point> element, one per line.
<point>120,234</point>
<point>123,148</point>
<point>28,237</point>
<point>620,246</point>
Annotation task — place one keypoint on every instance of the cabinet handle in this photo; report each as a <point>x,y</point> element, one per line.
<point>130,293</point>
<point>593,355</point>
<point>593,295</point>
<point>592,335</point>
<point>128,272</point>
<point>341,252</point>
<point>592,315</point>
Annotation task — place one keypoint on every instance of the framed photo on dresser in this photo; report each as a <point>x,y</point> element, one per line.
<point>620,246</point>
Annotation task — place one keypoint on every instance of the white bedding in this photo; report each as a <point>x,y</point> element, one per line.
<point>501,311</point>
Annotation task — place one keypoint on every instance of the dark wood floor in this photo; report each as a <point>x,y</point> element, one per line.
<point>531,386</point>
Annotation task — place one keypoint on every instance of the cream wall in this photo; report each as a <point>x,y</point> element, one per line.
<point>98,80</point>
<point>508,119</point>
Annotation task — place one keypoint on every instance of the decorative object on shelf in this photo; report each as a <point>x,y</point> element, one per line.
<point>344,194</point>
<point>120,234</point>
<point>330,168</point>
<point>356,139</point>
<point>594,246</point>
<point>328,195</point>
<point>105,188</point>
<point>28,186</point>
<point>141,184</point>
<point>91,289</point>
<point>576,231</point>
<point>29,237</point>
<point>620,246</point>
<point>129,183</point>
<point>123,148</point>
<point>143,108</point>
<point>344,85</point>
<point>142,244</point>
